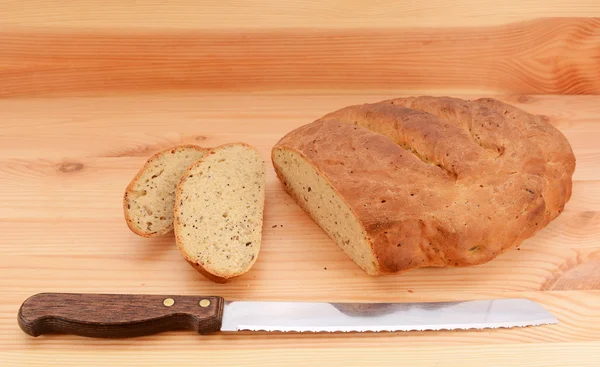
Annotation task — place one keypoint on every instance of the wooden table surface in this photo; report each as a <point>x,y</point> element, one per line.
<point>89,92</point>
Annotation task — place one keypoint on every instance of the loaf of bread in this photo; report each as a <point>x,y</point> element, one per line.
<point>150,196</point>
<point>425,181</point>
<point>219,211</point>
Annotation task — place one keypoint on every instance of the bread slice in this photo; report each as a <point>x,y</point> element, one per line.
<point>314,193</point>
<point>149,198</point>
<point>219,211</point>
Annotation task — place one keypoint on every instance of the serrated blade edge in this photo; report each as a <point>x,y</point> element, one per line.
<point>380,317</point>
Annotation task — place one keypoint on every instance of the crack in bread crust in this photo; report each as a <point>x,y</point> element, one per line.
<point>439,181</point>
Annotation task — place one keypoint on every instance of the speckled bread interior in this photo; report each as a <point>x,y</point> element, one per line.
<point>150,196</point>
<point>219,211</point>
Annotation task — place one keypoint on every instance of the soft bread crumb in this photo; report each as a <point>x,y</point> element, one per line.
<point>316,196</point>
<point>150,197</point>
<point>219,211</point>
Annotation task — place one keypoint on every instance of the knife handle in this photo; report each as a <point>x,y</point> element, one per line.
<point>118,315</point>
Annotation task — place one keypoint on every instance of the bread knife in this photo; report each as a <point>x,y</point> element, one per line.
<point>121,315</point>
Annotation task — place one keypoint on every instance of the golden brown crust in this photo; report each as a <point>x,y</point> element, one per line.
<point>301,203</point>
<point>132,183</point>
<point>441,181</point>
<point>208,275</point>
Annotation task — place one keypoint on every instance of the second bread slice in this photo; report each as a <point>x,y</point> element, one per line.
<point>149,198</point>
<point>219,211</point>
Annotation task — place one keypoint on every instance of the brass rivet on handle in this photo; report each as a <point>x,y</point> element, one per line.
<point>169,302</point>
<point>204,303</point>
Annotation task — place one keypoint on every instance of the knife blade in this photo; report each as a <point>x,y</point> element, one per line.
<point>122,315</point>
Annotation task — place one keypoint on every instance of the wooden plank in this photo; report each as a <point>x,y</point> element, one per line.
<point>77,236</point>
<point>78,228</point>
<point>77,187</point>
<point>491,59</point>
<point>583,354</point>
<point>138,126</point>
<point>587,166</point>
<point>297,260</point>
<point>212,14</point>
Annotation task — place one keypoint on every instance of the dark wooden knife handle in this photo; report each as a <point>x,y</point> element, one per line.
<point>118,315</point>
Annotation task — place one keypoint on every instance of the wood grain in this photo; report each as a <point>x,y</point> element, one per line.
<point>580,355</point>
<point>137,126</point>
<point>541,56</point>
<point>64,163</point>
<point>118,315</point>
<point>227,14</point>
